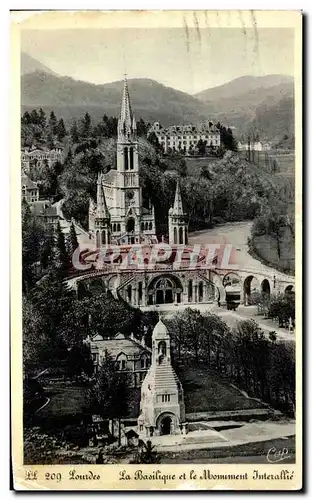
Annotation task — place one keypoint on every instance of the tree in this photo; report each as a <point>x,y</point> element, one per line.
<point>86,126</point>
<point>74,132</point>
<point>72,242</point>
<point>193,322</point>
<point>182,168</point>
<point>60,130</point>
<point>42,118</point>
<point>110,392</point>
<point>215,334</point>
<point>146,454</point>
<point>61,255</point>
<point>53,123</point>
<point>79,360</point>
<point>141,128</point>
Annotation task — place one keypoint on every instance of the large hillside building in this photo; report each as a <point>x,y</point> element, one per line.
<point>119,218</point>
<point>184,138</point>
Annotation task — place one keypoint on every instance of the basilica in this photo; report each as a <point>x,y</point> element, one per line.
<point>119,218</point>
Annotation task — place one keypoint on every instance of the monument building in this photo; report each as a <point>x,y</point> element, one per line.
<point>162,403</point>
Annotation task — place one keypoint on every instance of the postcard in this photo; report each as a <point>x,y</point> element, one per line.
<point>156,250</point>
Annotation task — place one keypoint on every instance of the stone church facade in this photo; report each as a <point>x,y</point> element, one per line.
<point>119,218</point>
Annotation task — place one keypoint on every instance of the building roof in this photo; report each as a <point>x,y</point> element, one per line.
<point>44,208</point>
<point>177,206</point>
<point>126,122</point>
<point>119,344</point>
<point>26,181</point>
<point>162,378</point>
<point>101,207</point>
<point>160,330</point>
<point>110,177</point>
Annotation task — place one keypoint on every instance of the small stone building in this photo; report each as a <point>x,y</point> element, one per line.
<point>132,356</point>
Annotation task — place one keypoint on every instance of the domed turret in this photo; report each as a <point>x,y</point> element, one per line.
<point>160,331</point>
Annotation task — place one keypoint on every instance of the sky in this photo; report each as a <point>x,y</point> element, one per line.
<point>186,59</point>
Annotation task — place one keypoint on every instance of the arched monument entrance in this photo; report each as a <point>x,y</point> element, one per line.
<point>165,290</point>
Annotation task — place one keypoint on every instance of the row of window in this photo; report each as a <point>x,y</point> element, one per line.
<point>146,226</point>
<point>189,138</point>
<point>178,237</point>
<point>128,158</point>
<point>122,364</point>
<point>140,292</point>
<point>200,291</point>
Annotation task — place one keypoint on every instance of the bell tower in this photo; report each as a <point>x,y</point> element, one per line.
<point>177,220</point>
<point>162,402</point>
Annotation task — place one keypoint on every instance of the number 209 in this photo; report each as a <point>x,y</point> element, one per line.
<point>53,476</point>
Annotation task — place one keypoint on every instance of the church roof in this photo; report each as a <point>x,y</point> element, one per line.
<point>126,123</point>
<point>177,206</point>
<point>101,207</point>
<point>110,177</point>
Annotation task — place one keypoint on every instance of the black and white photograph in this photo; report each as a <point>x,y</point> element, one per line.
<point>160,210</point>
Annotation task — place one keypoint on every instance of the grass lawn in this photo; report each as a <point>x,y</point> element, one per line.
<point>250,449</point>
<point>65,400</point>
<point>206,391</point>
<point>266,248</point>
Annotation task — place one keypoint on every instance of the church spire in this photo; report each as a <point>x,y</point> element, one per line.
<point>178,206</point>
<point>101,207</point>
<point>126,122</point>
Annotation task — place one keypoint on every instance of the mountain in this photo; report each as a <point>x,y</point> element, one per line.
<point>71,98</point>
<point>30,65</point>
<point>243,85</point>
<point>263,103</point>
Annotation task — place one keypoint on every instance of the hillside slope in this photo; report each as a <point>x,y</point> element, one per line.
<point>261,103</point>
<point>150,99</point>
<point>30,65</point>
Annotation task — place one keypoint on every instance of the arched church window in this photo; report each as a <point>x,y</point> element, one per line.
<point>129,292</point>
<point>180,235</point>
<point>114,227</point>
<point>150,226</point>
<point>185,235</point>
<point>140,291</point>
<point>126,158</point>
<point>131,158</point>
<point>103,237</point>
<point>130,225</point>
<point>200,291</point>
<point>146,226</point>
<point>118,227</point>
<point>175,239</point>
<point>142,226</point>
<point>190,291</point>
<point>98,241</point>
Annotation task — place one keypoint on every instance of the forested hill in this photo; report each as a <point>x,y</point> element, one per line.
<point>264,104</point>
<point>71,99</point>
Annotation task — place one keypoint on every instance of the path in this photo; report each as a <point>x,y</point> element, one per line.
<point>244,313</point>
<point>252,432</point>
<point>235,234</point>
